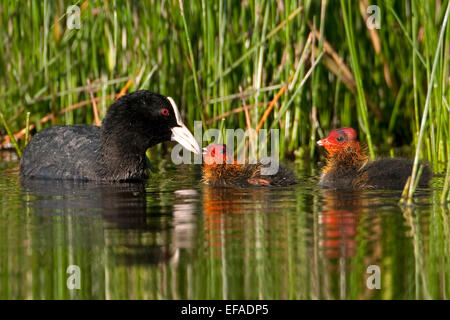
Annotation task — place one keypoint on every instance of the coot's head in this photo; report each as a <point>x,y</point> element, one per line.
<point>340,140</point>
<point>217,154</point>
<point>142,119</point>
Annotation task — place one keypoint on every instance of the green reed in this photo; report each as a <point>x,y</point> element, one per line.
<point>432,78</point>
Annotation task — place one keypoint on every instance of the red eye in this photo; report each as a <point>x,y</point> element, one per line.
<point>165,112</point>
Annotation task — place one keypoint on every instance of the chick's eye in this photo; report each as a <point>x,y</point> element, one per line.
<point>165,112</point>
<point>339,139</point>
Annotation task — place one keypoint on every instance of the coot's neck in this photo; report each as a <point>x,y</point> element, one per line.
<point>122,155</point>
<point>350,158</point>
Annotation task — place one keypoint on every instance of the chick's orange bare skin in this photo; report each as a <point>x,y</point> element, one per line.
<point>338,139</point>
<point>216,154</point>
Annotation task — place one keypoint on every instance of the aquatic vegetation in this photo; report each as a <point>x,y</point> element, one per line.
<point>303,67</point>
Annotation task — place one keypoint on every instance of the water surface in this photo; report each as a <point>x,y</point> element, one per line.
<point>174,238</point>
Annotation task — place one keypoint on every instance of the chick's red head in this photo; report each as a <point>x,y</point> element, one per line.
<point>217,154</point>
<point>339,140</point>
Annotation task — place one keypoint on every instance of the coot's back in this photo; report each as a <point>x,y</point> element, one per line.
<point>62,152</point>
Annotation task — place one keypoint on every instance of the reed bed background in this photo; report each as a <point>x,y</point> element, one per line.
<point>303,67</point>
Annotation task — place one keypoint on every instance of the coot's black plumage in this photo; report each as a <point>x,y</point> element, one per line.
<point>116,150</point>
<point>348,166</point>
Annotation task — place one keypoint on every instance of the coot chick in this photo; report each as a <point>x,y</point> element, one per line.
<point>113,152</point>
<point>348,166</point>
<point>221,170</point>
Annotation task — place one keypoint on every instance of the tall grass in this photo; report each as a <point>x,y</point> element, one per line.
<point>416,175</point>
<point>215,56</point>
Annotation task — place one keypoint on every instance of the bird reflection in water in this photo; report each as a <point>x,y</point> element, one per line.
<point>338,222</point>
<point>228,209</point>
<point>136,226</point>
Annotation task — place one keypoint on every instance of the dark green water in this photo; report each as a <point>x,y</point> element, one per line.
<point>174,238</point>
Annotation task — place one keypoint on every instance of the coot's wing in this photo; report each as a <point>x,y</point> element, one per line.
<point>62,152</point>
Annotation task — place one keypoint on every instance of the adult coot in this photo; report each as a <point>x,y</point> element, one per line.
<point>116,150</point>
<point>221,170</point>
<point>348,166</point>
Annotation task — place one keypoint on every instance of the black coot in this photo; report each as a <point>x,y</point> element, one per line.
<point>116,150</point>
